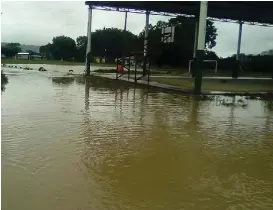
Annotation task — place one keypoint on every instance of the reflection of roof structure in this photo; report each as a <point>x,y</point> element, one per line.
<point>247,11</point>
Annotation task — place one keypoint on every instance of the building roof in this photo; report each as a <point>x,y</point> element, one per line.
<point>22,53</point>
<point>247,11</point>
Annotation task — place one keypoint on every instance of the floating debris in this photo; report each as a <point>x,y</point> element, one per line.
<point>42,69</point>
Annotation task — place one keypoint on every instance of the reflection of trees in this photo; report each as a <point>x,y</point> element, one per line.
<point>87,90</point>
<point>80,80</point>
<point>194,108</point>
<point>231,116</point>
<point>63,80</point>
<point>4,81</point>
<point>157,159</point>
<point>268,105</point>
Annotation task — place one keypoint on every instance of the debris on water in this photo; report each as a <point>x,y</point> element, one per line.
<point>42,69</point>
<point>240,100</point>
<point>240,103</point>
<point>71,70</point>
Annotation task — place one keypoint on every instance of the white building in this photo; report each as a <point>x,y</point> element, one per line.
<point>24,56</point>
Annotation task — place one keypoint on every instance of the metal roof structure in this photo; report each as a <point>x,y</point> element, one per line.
<point>249,12</point>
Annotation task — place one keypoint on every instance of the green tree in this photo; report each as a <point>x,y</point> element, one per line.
<point>112,42</point>
<point>31,52</point>
<point>63,47</point>
<point>81,43</point>
<point>45,51</point>
<point>181,50</point>
<point>10,49</point>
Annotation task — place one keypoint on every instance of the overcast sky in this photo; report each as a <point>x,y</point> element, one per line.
<point>36,23</point>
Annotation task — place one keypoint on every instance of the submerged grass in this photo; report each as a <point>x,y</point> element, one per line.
<point>220,84</point>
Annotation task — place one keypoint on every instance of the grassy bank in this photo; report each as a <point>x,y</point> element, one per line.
<point>184,72</point>
<point>52,62</point>
<point>221,85</point>
<point>154,70</point>
<point>113,70</point>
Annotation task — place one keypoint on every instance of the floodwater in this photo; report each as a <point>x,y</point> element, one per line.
<point>67,145</point>
<point>54,70</point>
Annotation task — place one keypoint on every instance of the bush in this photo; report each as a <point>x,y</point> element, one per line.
<point>4,80</point>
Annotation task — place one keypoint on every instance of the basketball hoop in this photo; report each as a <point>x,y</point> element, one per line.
<point>167,34</point>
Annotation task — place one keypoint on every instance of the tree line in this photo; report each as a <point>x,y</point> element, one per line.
<point>112,43</point>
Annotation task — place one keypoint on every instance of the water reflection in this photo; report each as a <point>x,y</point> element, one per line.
<point>4,81</point>
<point>63,80</point>
<point>94,145</point>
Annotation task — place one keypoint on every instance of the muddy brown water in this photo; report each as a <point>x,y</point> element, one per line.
<point>71,145</point>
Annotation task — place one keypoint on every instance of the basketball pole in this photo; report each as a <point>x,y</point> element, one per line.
<point>200,46</point>
<point>146,43</point>
<point>124,39</point>
<point>194,47</point>
<point>88,48</point>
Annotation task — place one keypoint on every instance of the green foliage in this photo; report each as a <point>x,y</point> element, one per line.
<point>31,52</point>
<point>81,43</point>
<point>249,63</point>
<point>112,43</point>
<point>63,47</point>
<point>4,80</point>
<point>10,49</point>
<point>181,51</point>
<point>46,51</point>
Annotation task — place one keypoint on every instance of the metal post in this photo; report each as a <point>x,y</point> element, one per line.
<point>88,48</point>
<point>135,70</point>
<point>200,46</point>
<point>191,70</point>
<point>129,68</point>
<point>239,40</point>
<point>146,43</point>
<point>237,67</point>
<point>124,39</point>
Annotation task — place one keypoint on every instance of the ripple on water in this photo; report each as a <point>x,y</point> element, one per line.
<point>67,146</point>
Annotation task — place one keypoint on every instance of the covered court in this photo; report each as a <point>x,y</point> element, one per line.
<point>254,13</point>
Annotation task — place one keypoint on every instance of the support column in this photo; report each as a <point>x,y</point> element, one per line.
<point>88,47</point>
<point>146,43</point>
<point>124,44</point>
<point>192,68</point>
<point>236,69</point>
<point>200,46</point>
<point>124,39</point>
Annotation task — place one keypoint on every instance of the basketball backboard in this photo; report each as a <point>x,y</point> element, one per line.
<point>167,34</point>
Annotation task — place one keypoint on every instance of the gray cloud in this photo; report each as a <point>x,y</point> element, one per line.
<point>37,23</point>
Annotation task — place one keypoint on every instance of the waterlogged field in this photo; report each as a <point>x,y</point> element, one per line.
<point>76,145</point>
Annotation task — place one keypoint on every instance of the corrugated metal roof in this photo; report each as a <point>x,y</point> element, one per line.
<point>248,11</point>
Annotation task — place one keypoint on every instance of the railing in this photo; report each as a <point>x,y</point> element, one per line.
<point>139,60</point>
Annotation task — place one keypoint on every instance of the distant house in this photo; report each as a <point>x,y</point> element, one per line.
<point>36,57</point>
<point>3,56</point>
<point>24,56</point>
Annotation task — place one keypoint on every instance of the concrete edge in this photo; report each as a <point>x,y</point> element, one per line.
<point>185,90</point>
